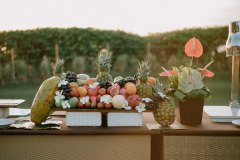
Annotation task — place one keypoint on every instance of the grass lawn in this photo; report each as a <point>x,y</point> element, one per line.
<point>220,85</point>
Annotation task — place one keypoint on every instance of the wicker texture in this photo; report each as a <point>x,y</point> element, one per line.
<point>201,148</point>
<point>124,119</point>
<point>84,119</point>
<point>43,147</point>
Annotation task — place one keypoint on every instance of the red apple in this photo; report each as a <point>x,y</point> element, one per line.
<point>115,85</point>
<point>93,92</point>
<point>88,105</point>
<point>108,106</point>
<point>100,105</point>
<point>114,91</point>
<point>93,99</point>
<point>108,90</point>
<point>102,91</point>
<point>98,98</point>
<point>133,100</point>
<point>123,92</point>
<point>80,105</point>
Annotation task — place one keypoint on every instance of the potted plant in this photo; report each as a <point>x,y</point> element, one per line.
<point>186,85</point>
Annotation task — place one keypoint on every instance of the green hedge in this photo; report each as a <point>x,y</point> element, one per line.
<point>32,45</point>
<point>166,44</point>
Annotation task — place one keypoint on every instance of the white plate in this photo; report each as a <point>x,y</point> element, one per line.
<point>236,122</point>
<point>4,122</point>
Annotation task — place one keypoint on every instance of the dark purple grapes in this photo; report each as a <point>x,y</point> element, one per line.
<point>123,81</point>
<point>105,85</point>
<point>71,77</point>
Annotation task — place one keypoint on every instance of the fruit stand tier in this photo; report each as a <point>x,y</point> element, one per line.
<point>98,110</point>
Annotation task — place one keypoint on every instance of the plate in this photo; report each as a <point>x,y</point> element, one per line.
<point>236,122</point>
<point>5,122</point>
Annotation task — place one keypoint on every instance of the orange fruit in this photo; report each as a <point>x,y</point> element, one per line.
<point>74,92</point>
<point>128,83</point>
<point>82,91</point>
<point>89,81</point>
<point>73,85</point>
<point>152,80</point>
<point>131,89</point>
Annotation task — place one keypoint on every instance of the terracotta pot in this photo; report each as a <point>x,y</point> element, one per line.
<point>190,111</point>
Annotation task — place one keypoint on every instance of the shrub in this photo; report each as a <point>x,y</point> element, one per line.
<point>7,72</point>
<point>121,64</point>
<point>45,68</point>
<point>78,64</point>
<point>1,74</point>
<point>21,70</point>
<point>125,65</point>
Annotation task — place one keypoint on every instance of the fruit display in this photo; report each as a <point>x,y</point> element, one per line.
<point>84,92</point>
<point>90,94</point>
<point>72,90</point>
<point>44,98</point>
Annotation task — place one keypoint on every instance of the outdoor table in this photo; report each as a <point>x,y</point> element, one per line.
<point>206,141</point>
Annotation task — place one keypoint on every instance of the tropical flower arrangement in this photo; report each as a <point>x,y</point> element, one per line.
<point>186,81</point>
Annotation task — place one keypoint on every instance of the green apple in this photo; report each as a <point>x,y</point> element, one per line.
<point>73,102</point>
<point>58,104</point>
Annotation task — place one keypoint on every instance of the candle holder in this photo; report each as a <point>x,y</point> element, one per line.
<point>232,111</point>
<point>233,50</point>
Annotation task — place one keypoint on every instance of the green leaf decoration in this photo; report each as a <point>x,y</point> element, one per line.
<point>179,95</point>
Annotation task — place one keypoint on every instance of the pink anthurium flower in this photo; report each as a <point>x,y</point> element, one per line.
<point>193,48</point>
<point>206,73</point>
<point>168,73</point>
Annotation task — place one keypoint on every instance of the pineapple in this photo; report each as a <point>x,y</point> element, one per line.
<point>144,88</point>
<point>103,66</point>
<point>163,110</point>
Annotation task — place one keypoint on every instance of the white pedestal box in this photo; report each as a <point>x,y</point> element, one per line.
<point>115,119</point>
<point>83,119</point>
<point>222,113</point>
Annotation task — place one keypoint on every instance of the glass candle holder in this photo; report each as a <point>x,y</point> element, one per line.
<point>233,50</point>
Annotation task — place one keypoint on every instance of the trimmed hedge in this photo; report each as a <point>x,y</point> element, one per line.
<point>172,43</point>
<point>166,48</point>
<point>32,45</point>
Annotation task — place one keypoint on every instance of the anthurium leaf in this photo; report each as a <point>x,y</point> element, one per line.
<point>202,93</point>
<point>179,95</point>
<point>197,93</point>
<point>208,92</point>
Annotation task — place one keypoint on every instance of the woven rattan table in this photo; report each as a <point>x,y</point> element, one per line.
<point>206,141</point>
<point>78,143</point>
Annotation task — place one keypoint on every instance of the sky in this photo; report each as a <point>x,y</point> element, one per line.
<point>134,16</point>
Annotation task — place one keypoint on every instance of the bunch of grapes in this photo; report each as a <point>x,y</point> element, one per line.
<point>66,90</point>
<point>105,85</point>
<point>123,81</point>
<point>131,79</point>
<point>71,77</point>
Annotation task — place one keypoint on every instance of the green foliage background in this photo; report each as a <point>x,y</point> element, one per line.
<point>32,45</point>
